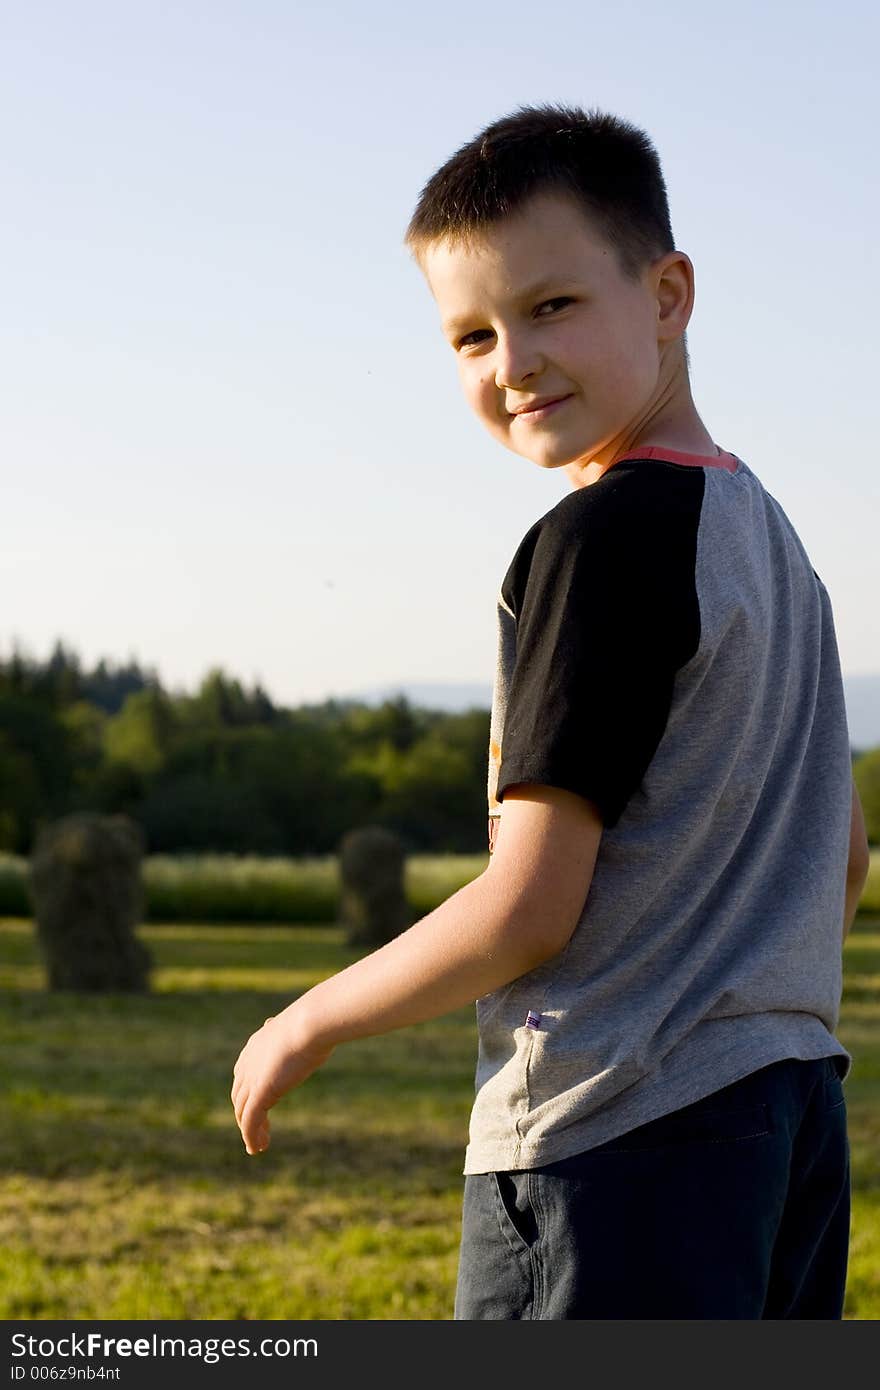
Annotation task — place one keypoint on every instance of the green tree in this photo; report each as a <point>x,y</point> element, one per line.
<point>20,797</point>
<point>395,722</point>
<point>35,767</point>
<point>84,724</point>
<point>139,736</point>
<point>222,701</point>
<point>432,800</point>
<point>866,774</point>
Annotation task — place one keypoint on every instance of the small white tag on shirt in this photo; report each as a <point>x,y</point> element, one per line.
<point>533,1020</point>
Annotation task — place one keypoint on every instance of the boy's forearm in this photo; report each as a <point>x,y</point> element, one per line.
<point>476,941</point>
<point>854,889</point>
<point>492,931</point>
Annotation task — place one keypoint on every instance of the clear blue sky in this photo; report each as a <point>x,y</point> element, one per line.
<point>231,431</point>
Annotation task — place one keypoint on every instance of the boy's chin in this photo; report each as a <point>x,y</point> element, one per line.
<point>550,455</point>
<point>551,460</point>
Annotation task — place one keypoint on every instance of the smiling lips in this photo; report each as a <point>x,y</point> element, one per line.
<point>541,407</point>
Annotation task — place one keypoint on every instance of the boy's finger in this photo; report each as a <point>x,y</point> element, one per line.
<point>236,1092</point>
<point>241,1105</point>
<point>255,1130</point>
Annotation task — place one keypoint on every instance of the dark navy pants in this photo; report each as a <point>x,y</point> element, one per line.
<point>736,1207</point>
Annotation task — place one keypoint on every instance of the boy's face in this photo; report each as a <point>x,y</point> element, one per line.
<point>559,354</point>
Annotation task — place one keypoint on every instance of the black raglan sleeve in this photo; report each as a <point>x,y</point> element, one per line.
<point>603,592</point>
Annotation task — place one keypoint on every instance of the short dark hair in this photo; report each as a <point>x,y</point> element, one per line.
<point>609,165</point>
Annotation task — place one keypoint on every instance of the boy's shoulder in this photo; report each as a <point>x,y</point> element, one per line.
<point>632,487</point>
<point>638,512</point>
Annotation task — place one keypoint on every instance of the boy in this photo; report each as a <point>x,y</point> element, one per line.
<point>659,1129</point>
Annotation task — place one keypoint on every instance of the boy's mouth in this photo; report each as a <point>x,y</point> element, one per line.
<point>539,409</point>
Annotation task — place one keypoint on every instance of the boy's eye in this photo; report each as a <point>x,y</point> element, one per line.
<point>476,336</point>
<point>551,304</point>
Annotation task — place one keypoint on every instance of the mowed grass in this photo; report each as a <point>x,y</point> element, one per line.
<point>125,1191</point>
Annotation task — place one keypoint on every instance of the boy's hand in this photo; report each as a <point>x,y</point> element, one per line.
<point>279,1056</point>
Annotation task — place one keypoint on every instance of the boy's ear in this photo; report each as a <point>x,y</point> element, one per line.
<point>673,279</point>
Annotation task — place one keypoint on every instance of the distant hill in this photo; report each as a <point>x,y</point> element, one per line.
<point>452,697</point>
<point>862,695</point>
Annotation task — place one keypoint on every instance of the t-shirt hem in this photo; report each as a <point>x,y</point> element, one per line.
<point>709,1063</point>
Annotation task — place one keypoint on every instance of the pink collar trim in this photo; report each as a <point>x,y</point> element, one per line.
<point>656,451</point>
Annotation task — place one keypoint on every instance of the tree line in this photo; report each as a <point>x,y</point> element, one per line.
<point>226,770</point>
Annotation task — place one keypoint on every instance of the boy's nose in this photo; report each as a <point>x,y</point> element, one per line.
<point>515,363</point>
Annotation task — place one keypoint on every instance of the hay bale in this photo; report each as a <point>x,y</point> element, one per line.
<point>84,880</point>
<point>373,905</point>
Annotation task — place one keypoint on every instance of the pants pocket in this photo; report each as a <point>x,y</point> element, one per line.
<point>515,1210</point>
<point>834,1095</point>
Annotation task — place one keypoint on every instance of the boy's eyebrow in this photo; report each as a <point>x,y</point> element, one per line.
<point>533,291</point>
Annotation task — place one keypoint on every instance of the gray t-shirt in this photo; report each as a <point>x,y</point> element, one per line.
<point>666,649</point>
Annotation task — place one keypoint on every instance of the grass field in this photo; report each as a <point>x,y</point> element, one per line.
<point>125,1191</point>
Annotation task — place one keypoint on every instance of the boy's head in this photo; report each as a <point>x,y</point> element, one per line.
<point>547,245</point>
<point>608,166</point>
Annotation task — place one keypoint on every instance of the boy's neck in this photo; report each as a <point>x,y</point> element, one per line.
<point>674,425</point>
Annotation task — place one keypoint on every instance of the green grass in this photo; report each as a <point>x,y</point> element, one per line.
<point>249,888</point>
<point>125,1191</point>
<point>870,899</point>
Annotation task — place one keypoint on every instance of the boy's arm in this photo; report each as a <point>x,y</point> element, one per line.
<point>858,863</point>
<point>515,915</point>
